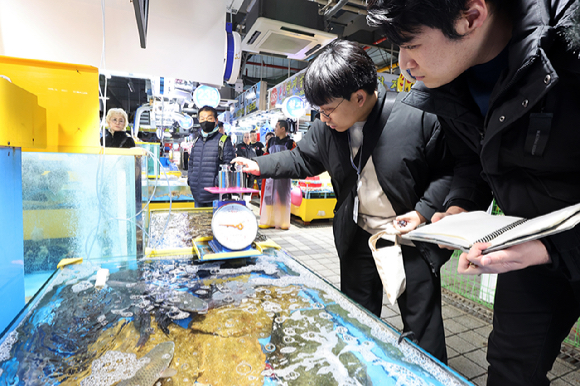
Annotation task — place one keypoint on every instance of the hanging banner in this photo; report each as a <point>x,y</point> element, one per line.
<point>291,86</point>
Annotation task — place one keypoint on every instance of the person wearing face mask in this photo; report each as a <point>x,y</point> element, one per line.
<point>210,150</point>
<point>116,136</point>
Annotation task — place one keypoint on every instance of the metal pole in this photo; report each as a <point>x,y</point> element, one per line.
<point>391,58</point>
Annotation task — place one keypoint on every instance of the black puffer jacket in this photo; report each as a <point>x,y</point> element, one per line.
<point>410,158</point>
<point>528,146</point>
<point>203,165</point>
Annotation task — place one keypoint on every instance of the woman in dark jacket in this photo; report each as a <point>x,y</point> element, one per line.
<point>116,136</point>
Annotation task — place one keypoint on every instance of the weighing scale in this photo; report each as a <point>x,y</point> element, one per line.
<point>234,229</point>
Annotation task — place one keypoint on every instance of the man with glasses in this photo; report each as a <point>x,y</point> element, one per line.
<point>210,150</point>
<point>389,168</point>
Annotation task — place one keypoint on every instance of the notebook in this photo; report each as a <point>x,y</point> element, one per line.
<point>462,230</point>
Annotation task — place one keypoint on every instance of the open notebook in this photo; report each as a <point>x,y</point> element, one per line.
<point>463,230</point>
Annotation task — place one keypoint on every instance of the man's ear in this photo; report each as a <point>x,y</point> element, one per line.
<point>473,17</point>
<point>360,97</point>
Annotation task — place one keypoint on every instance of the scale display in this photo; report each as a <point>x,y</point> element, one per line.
<point>234,226</point>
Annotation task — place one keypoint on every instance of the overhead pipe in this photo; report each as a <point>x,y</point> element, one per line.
<point>348,8</point>
<point>273,66</point>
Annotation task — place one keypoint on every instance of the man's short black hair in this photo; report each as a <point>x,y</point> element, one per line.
<point>253,131</point>
<point>401,20</point>
<point>342,68</point>
<point>209,108</point>
<point>283,124</point>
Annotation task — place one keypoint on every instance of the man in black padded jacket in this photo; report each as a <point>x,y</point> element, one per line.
<point>400,164</point>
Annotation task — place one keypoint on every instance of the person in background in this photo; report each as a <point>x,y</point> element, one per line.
<point>275,203</point>
<point>504,79</point>
<point>246,150</point>
<point>209,150</point>
<point>257,145</point>
<point>221,128</point>
<point>268,135</point>
<point>384,167</point>
<point>117,136</point>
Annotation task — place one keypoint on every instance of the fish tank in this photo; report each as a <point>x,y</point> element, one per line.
<point>78,205</point>
<point>265,320</point>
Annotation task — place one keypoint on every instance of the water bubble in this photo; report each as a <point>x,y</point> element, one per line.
<point>292,375</point>
<point>185,366</point>
<point>341,330</point>
<point>288,339</point>
<point>325,315</point>
<point>243,368</point>
<point>201,292</point>
<point>287,350</point>
<point>270,347</point>
<point>289,331</point>
<point>280,319</point>
<point>318,306</point>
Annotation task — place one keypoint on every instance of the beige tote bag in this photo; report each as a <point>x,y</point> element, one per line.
<point>389,262</point>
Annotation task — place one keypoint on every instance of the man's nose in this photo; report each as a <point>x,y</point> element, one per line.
<point>406,62</point>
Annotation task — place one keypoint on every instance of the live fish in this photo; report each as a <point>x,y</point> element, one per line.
<point>158,367</point>
<point>143,325</point>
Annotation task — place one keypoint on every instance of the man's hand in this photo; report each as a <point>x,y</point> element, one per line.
<point>408,221</point>
<point>511,259</point>
<point>439,215</point>
<point>250,166</point>
<point>451,211</point>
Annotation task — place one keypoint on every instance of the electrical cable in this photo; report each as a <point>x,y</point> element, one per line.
<point>100,165</point>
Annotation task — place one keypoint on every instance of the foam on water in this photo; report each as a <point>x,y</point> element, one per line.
<point>6,346</point>
<point>113,367</point>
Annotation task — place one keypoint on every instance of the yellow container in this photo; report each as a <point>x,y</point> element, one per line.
<point>22,120</point>
<point>314,209</point>
<point>70,95</point>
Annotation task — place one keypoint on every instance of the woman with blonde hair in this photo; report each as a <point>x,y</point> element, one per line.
<point>116,136</point>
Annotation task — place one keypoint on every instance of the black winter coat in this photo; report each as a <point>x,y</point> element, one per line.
<point>246,151</point>
<point>118,139</point>
<point>412,164</point>
<point>203,165</point>
<point>527,148</point>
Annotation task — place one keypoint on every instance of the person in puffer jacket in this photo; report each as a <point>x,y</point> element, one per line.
<point>503,77</point>
<point>210,150</point>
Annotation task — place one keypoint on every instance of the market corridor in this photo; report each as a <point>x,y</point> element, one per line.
<point>467,325</point>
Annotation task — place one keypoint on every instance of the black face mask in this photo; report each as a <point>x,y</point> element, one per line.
<point>207,126</point>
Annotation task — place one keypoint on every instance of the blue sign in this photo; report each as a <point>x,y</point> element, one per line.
<point>294,107</point>
<point>206,96</point>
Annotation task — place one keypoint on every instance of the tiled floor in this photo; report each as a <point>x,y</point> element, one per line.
<point>466,333</point>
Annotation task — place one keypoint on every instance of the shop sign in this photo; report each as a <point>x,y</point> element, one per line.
<point>291,86</point>
<point>206,96</point>
<point>294,107</point>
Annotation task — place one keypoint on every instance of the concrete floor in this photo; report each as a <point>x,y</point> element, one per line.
<point>466,326</point>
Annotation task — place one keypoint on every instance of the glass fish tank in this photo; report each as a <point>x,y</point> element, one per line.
<point>165,188</point>
<point>266,320</point>
<point>78,205</point>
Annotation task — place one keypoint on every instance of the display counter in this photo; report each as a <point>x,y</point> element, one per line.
<point>317,202</point>
<point>261,321</point>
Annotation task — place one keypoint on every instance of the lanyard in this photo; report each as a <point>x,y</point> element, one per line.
<point>358,171</point>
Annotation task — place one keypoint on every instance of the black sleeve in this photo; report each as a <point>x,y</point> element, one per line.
<point>468,189</point>
<point>440,162</point>
<point>301,162</point>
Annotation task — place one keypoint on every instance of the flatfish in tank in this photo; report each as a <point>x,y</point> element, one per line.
<point>158,367</point>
